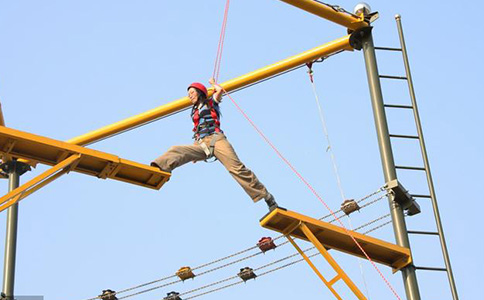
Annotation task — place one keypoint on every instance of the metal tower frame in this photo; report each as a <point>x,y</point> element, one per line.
<point>360,37</point>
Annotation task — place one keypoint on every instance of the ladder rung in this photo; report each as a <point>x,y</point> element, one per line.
<point>398,106</point>
<point>388,48</point>
<point>410,168</point>
<point>431,269</point>
<point>421,196</point>
<point>393,77</point>
<point>423,232</point>
<point>404,136</point>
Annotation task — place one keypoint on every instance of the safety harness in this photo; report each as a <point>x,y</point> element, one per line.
<point>206,124</point>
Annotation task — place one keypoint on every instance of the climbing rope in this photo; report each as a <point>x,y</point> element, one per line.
<point>218,58</point>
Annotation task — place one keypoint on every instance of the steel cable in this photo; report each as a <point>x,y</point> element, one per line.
<point>241,252</point>
<point>259,268</point>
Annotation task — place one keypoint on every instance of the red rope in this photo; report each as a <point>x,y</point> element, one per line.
<point>216,73</point>
<point>313,191</point>
<point>218,58</point>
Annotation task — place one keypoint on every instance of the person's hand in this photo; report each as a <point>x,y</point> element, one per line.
<point>211,81</point>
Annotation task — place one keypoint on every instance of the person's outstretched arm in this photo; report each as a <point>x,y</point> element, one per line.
<point>217,94</point>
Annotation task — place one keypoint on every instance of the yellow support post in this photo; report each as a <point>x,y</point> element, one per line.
<point>236,83</point>
<point>324,11</point>
<point>38,182</point>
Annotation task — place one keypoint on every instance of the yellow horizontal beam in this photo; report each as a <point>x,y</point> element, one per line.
<point>328,13</point>
<point>236,83</point>
<point>337,238</point>
<point>23,145</point>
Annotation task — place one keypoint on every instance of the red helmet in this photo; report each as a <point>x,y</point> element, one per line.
<point>199,86</point>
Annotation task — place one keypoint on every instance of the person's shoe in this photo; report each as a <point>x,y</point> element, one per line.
<point>153,164</point>
<point>271,202</point>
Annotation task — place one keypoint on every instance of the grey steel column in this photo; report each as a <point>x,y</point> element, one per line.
<point>425,159</point>
<point>399,226</point>
<point>11,236</point>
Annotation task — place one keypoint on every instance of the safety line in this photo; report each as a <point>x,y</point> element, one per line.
<point>218,58</point>
<point>313,191</point>
<point>329,149</point>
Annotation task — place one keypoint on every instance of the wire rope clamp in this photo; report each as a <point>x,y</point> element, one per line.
<point>108,295</point>
<point>349,206</point>
<point>172,296</point>
<point>246,274</point>
<point>185,273</point>
<point>266,244</point>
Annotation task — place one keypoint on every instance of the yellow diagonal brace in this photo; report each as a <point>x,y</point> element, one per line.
<point>307,232</point>
<point>310,263</point>
<point>38,182</point>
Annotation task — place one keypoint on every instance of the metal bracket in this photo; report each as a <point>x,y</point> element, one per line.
<point>401,196</point>
<point>14,166</point>
<point>357,36</point>
<point>108,170</point>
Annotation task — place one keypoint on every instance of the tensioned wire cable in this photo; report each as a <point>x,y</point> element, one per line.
<point>257,269</point>
<point>330,150</point>
<point>363,199</point>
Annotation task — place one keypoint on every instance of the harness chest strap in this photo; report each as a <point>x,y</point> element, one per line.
<point>196,118</point>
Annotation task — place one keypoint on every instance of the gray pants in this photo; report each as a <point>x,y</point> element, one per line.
<point>179,155</point>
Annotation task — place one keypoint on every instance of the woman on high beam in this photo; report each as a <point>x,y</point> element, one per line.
<point>210,141</point>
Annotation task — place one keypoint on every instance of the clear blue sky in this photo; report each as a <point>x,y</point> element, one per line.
<point>69,67</point>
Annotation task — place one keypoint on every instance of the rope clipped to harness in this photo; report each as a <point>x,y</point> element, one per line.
<point>210,149</point>
<point>218,58</point>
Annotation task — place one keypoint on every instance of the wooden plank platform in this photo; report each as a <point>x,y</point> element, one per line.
<point>335,237</point>
<point>103,165</point>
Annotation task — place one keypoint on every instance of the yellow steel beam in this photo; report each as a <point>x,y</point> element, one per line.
<point>327,12</point>
<point>236,83</point>
<point>38,182</point>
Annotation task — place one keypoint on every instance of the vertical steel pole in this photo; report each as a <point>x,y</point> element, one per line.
<point>398,218</point>
<point>425,159</point>
<point>11,236</point>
